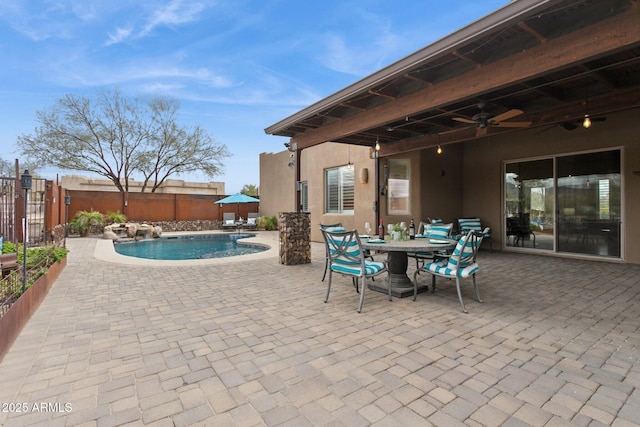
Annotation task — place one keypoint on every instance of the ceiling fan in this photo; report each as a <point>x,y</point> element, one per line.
<point>484,119</point>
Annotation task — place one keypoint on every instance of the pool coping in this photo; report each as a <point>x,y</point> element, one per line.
<point>105,251</point>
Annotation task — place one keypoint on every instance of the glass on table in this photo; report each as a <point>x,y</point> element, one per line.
<point>367,228</point>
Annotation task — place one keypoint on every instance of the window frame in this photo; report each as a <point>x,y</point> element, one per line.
<point>339,182</point>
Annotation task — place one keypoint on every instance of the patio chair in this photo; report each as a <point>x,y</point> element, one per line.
<point>229,221</point>
<point>474,224</point>
<point>431,230</point>
<point>461,264</point>
<point>520,229</point>
<point>251,223</point>
<point>329,227</point>
<point>347,258</point>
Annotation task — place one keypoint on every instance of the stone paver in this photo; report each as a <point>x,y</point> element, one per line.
<point>251,343</point>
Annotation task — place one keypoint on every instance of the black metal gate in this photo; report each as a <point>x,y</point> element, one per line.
<point>7,209</point>
<point>36,211</point>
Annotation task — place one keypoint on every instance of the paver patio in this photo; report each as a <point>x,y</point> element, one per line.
<point>251,343</point>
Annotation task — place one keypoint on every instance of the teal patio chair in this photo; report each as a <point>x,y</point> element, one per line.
<point>347,258</point>
<point>474,224</point>
<point>461,264</point>
<point>329,227</point>
<point>430,230</point>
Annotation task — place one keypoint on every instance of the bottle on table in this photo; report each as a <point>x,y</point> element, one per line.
<point>412,230</point>
<point>381,230</point>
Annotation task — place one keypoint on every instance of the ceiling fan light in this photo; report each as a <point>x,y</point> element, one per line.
<point>586,123</point>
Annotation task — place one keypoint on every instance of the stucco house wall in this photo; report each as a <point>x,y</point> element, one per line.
<point>466,179</point>
<point>277,184</point>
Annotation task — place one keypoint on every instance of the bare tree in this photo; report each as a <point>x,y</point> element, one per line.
<point>8,168</point>
<point>174,150</point>
<point>116,137</point>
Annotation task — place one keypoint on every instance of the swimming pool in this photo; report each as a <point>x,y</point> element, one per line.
<point>189,247</point>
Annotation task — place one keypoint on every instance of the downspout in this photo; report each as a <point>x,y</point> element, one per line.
<point>297,181</point>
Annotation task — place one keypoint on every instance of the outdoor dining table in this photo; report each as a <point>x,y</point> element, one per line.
<point>398,261</point>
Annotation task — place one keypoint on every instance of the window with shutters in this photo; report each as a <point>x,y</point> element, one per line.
<point>339,190</point>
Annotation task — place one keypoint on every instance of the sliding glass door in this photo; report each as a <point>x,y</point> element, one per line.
<point>589,206</point>
<point>569,204</point>
<point>530,204</point>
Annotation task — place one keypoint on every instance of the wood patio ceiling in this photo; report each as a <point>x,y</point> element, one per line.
<point>556,63</point>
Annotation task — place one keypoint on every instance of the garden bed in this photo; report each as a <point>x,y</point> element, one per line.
<point>21,310</point>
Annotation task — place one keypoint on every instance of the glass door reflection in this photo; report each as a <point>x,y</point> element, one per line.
<point>529,204</point>
<point>589,207</point>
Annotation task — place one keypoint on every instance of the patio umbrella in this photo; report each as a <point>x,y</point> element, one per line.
<point>237,198</point>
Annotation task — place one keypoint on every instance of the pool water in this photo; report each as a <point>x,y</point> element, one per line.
<point>188,247</point>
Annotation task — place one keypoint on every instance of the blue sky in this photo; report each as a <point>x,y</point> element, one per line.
<point>235,66</point>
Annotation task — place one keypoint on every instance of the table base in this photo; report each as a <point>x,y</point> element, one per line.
<point>401,285</point>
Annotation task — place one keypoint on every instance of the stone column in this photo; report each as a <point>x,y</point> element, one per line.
<point>295,237</point>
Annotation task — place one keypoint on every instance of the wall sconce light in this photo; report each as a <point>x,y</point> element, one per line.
<point>364,175</point>
<point>439,149</point>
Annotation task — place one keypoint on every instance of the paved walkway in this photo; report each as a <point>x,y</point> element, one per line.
<point>251,343</point>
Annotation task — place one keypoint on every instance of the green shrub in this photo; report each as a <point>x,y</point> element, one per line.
<point>116,217</point>
<point>38,262</point>
<point>8,247</point>
<point>83,220</point>
<point>268,223</point>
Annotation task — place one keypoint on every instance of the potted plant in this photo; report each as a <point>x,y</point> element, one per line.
<point>398,232</point>
<point>84,220</point>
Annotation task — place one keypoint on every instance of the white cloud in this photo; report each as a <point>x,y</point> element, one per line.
<point>120,35</point>
<point>175,13</point>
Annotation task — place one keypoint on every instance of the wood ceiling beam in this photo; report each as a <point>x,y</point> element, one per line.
<point>618,32</point>
<point>531,31</point>
<point>418,79</point>
<point>354,107</point>
<point>372,92</point>
<point>466,58</point>
<point>619,101</point>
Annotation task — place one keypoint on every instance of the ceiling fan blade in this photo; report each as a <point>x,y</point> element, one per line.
<point>512,124</point>
<point>507,115</point>
<point>569,125</point>
<point>481,132</point>
<point>464,120</point>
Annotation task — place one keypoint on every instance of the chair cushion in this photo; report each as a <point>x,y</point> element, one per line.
<point>469,224</point>
<point>335,229</point>
<point>436,221</point>
<point>371,268</point>
<point>251,221</point>
<point>230,222</point>
<point>464,251</point>
<point>438,231</point>
<point>354,251</point>
<point>442,268</point>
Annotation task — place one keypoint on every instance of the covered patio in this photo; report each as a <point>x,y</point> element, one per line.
<point>464,112</point>
<point>215,345</point>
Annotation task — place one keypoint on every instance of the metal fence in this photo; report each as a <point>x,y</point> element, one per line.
<point>11,283</point>
<point>7,209</point>
<point>11,206</point>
